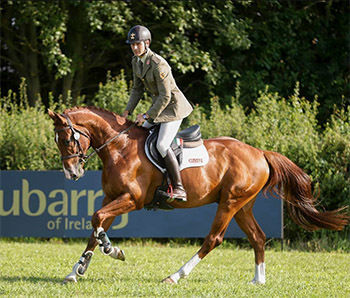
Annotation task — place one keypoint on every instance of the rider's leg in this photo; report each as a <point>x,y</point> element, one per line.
<point>173,169</point>
<point>167,133</point>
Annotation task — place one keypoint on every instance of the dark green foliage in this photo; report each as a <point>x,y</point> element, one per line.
<point>26,135</point>
<point>334,159</point>
<point>60,46</point>
<point>300,41</point>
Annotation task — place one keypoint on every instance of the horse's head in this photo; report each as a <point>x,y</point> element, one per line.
<point>73,144</point>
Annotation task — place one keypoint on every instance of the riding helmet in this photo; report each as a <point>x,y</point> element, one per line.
<point>137,34</point>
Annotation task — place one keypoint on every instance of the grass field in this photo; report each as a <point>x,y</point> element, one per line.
<point>37,269</point>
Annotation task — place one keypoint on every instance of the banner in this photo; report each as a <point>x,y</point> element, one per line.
<point>46,204</point>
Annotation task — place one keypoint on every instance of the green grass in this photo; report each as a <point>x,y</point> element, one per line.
<point>37,268</point>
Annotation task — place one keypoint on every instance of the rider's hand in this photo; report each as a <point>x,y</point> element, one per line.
<point>140,119</point>
<point>125,114</point>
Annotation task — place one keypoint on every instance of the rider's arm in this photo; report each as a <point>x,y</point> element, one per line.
<point>162,74</point>
<point>136,91</point>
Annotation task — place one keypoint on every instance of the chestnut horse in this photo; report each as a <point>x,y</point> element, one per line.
<point>233,177</point>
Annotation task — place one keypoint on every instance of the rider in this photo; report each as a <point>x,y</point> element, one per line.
<point>169,105</point>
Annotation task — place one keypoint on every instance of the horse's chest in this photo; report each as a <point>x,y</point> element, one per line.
<point>114,186</point>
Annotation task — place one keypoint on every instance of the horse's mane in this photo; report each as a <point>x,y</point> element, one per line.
<point>90,108</point>
<point>95,110</point>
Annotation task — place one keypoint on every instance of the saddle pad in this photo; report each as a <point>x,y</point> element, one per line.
<point>194,157</point>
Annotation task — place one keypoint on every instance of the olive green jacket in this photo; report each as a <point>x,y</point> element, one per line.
<point>168,102</point>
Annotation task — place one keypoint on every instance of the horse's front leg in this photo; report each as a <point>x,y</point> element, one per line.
<point>81,266</point>
<point>101,221</point>
<point>103,218</point>
<point>106,246</point>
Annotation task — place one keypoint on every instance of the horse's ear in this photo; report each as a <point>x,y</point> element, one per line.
<point>57,118</point>
<point>52,114</point>
<point>121,120</point>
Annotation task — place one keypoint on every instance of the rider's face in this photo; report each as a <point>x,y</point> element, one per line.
<point>138,48</point>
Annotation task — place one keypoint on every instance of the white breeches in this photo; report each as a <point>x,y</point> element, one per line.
<point>167,133</point>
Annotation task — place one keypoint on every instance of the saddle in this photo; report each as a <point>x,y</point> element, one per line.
<point>189,151</point>
<point>187,146</point>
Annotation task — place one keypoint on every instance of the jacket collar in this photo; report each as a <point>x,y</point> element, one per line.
<point>144,57</point>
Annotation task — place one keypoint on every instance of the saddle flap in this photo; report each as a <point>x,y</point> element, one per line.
<point>151,146</point>
<point>153,153</point>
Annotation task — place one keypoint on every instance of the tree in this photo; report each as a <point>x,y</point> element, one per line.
<point>212,46</point>
<point>54,45</point>
<point>67,43</point>
<point>301,41</point>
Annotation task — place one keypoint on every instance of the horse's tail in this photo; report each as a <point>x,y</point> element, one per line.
<point>296,191</point>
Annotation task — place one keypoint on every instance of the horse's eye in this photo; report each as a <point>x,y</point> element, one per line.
<point>67,142</point>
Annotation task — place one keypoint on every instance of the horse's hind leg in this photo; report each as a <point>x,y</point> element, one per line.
<point>223,216</point>
<point>246,221</point>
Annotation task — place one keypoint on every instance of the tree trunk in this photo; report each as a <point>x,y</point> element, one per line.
<point>79,79</point>
<point>33,79</point>
<point>22,52</point>
<point>74,47</point>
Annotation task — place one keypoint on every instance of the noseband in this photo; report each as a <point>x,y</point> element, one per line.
<point>83,158</point>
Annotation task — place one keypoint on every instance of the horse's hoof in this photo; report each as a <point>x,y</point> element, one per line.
<point>168,280</point>
<point>117,254</point>
<point>121,255</point>
<point>69,279</point>
<point>256,282</point>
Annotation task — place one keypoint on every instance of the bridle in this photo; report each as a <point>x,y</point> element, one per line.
<point>83,158</point>
<point>76,137</point>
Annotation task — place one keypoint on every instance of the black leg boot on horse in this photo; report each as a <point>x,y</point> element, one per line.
<point>173,170</point>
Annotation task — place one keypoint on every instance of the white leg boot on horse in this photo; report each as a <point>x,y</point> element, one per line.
<point>259,278</point>
<point>82,265</point>
<point>184,271</point>
<point>106,248</point>
<point>101,221</point>
<point>79,268</point>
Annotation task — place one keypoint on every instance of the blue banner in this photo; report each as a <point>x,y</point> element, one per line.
<point>46,204</point>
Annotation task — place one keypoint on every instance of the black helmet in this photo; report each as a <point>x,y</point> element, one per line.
<point>138,33</point>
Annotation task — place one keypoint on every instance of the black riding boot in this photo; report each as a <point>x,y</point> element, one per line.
<point>173,169</point>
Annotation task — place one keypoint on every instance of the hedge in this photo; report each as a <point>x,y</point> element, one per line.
<point>288,126</point>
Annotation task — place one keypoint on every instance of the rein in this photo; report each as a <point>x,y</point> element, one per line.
<point>76,136</point>
<point>97,150</point>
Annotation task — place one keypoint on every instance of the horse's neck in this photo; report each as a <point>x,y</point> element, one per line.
<point>100,127</point>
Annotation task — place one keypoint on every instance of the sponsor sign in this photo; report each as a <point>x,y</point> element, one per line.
<point>46,204</point>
